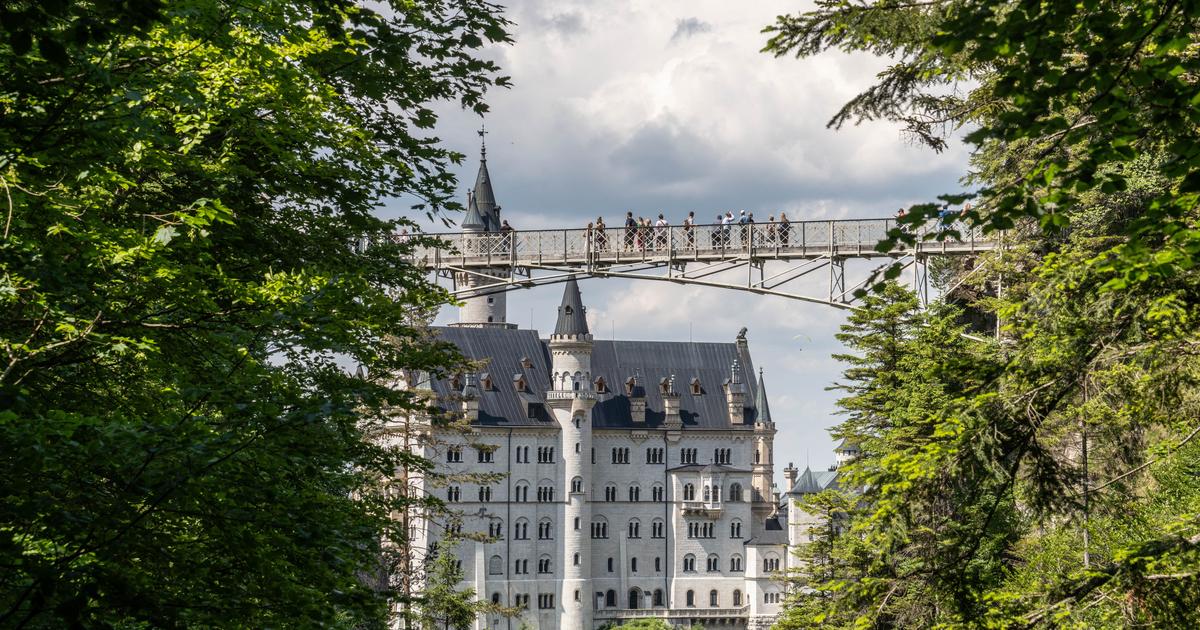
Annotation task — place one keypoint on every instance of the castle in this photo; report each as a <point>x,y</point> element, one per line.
<point>634,479</point>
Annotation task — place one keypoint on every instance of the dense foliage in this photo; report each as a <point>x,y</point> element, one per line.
<point>1045,475</point>
<point>183,184</point>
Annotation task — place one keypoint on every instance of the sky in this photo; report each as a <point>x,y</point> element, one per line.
<point>669,106</point>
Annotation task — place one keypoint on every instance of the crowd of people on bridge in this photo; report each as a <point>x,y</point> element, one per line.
<point>643,233</point>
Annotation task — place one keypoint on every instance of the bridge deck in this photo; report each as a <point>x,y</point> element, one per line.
<point>801,240</point>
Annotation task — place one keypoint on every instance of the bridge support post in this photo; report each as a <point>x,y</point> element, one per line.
<point>837,279</point>
<point>920,279</point>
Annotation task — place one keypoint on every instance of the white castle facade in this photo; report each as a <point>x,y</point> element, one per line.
<point>629,479</point>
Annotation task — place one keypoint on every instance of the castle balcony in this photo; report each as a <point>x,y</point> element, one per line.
<point>708,509</point>
<point>569,394</point>
<point>732,616</point>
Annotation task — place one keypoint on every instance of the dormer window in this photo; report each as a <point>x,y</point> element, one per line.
<point>629,383</point>
<point>526,363</point>
<point>664,385</point>
<point>519,382</point>
<point>456,382</point>
<point>601,386</point>
<point>485,382</point>
<point>567,310</point>
<point>696,389</point>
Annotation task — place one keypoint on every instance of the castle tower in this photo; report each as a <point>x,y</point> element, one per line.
<point>481,234</point>
<point>571,398</point>
<point>763,469</point>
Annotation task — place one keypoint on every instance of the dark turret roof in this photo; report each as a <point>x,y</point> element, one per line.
<point>473,220</point>
<point>571,320</point>
<point>485,199</point>
<point>760,402</point>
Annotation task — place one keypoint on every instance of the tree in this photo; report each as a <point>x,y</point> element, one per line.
<point>442,605</point>
<point>183,186</point>
<point>1053,463</point>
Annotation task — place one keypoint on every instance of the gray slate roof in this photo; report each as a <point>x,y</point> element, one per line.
<point>774,531</point>
<point>615,361</point>
<point>810,482</point>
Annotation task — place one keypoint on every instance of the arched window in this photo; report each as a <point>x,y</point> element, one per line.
<point>544,564</point>
<point>658,597</point>
<point>635,598</point>
<point>495,565</point>
<point>635,493</point>
<point>545,491</point>
<point>716,494</point>
<point>658,493</point>
<point>521,529</point>
<point>735,529</point>
<point>577,484</point>
<point>735,493</point>
<point>635,528</point>
<point>689,492</point>
<point>714,563</point>
<point>599,527</point>
<point>737,598</point>
<point>610,599</point>
<point>496,598</point>
<point>610,492</point>
<point>545,529</point>
<point>707,494</point>
<point>712,598</point>
<point>735,564</point>
<point>691,598</point>
<point>657,528</point>
<point>575,560</point>
<point>496,528</point>
<point>689,563</point>
<point>757,456</point>
<point>771,562</point>
<point>522,491</point>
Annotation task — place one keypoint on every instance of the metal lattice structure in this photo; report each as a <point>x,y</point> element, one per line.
<point>483,263</point>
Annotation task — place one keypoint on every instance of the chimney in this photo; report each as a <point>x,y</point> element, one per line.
<point>671,405</point>
<point>470,400</point>
<point>637,400</point>
<point>791,474</point>
<point>735,394</point>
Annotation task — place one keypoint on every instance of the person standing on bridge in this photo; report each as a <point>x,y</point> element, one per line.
<point>771,233</point>
<point>630,230</point>
<point>660,232</point>
<point>601,237</point>
<point>689,229</point>
<point>785,229</point>
<point>743,227</point>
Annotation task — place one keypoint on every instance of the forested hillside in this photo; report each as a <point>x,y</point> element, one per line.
<point>1045,473</point>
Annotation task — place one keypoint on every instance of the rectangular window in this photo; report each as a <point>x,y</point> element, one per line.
<point>545,601</point>
<point>485,456</point>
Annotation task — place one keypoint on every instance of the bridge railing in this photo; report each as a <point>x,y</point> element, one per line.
<point>582,246</point>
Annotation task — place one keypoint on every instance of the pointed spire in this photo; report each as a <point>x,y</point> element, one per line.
<point>485,199</point>
<point>760,401</point>
<point>571,320</point>
<point>473,221</point>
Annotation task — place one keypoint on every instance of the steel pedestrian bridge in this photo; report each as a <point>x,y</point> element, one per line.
<point>480,263</point>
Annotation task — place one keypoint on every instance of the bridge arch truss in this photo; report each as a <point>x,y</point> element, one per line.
<point>761,258</point>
